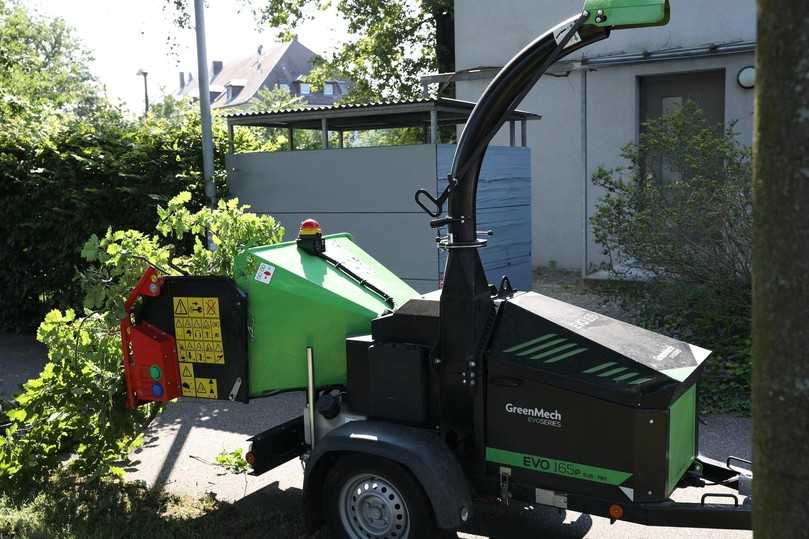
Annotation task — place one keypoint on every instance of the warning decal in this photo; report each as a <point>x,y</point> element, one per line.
<point>198,332</point>
<point>203,388</point>
<point>264,273</point>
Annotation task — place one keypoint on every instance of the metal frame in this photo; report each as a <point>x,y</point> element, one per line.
<point>428,114</point>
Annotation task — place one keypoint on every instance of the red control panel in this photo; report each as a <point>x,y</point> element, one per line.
<point>150,359</point>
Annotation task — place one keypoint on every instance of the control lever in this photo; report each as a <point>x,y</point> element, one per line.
<point>443,221</point>
<point>438,203</point>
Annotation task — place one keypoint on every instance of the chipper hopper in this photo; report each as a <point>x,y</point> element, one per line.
<point>420,405</point>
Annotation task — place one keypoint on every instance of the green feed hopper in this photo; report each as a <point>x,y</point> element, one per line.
<point>297,300</point>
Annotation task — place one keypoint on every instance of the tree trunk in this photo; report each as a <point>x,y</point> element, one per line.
<point>443,12</point>
<point>781,272</point>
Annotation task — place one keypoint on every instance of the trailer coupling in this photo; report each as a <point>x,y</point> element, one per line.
<point>721,510</point>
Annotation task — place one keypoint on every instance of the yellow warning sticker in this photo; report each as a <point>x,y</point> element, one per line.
<point>206,388</point>
<point>198,330</point>
<point>187,379</point>
<point>202,388</point>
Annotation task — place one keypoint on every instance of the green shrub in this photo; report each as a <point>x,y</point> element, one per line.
<point>83,176</point>
<point>680,213</point>
<point>74,413</point>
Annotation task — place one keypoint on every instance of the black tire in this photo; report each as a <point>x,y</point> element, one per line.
<point>372,507</point>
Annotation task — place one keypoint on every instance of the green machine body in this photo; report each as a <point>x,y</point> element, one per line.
<point>297,299</point>
<point>621,14</point>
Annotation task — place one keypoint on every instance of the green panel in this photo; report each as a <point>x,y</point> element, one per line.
<point>308,302</point>
<point>621,14</point>
<point>682,436</point>
<point>557,467</point>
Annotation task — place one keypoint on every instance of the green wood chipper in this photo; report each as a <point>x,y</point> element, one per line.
<point>421,406</point>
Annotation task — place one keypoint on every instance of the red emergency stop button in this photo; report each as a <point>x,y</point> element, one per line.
<point>309,227</point>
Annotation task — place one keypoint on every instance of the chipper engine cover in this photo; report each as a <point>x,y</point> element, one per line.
<point>220,338</point>
<point>580,402</point>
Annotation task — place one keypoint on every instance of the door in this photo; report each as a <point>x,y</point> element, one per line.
<point>665,94</point>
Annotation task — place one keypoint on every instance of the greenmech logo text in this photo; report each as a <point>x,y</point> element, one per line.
<point>540,416</point>
<point>573,470</point>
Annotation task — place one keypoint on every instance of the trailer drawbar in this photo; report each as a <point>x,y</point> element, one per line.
<point>419,405</point>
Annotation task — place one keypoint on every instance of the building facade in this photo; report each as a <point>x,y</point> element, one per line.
<point>282,65</point>
<point>597,99</point>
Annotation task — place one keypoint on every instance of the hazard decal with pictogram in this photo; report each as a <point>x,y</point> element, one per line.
<point>198,330</point>
<point>208,318</point>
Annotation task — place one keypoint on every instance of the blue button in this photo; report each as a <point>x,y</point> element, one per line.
<point>157,390</point>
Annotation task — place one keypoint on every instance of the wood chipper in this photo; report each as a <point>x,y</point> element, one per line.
<point>419,405</point>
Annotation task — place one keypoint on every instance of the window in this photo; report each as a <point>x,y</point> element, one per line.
<point>666,94</point>
<point>283,86</point>
<point>306,89</point>
<point>328,89</point>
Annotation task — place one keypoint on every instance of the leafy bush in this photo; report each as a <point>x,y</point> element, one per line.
<point>680,213</point>
<point>84,175</point>
<point>74,413</point>
<point>72,165</point>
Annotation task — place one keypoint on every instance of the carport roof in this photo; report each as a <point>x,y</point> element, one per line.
<point>347,117</point>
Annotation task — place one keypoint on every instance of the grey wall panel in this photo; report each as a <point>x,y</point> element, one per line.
<point>423,285</point>
<point>381,179</point>
<point>505,177</point>
<point>504,206</point>
<point>403,242</point>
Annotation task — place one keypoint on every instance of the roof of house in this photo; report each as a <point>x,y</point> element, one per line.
<point>380,115</point>
<point>249,72</point>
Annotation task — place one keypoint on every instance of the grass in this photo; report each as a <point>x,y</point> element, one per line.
<point>69,508</point>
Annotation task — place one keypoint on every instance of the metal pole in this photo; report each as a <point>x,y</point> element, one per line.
<point>324,133</point>
<point>231,148</point>
<point>524,132</point>
<point>204,103</point>
<point>145,93</point>
<point>144,74</point>
<point>310,393</point>
<point>291,137</point>
<point>585,202</point>
<point>433,126</point>
<point>512,134</point>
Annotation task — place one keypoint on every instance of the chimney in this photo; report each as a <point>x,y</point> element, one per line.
<point>182,80</point>
<point>216,68</point>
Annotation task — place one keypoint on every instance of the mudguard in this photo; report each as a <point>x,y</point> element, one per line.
<point>421,451</point>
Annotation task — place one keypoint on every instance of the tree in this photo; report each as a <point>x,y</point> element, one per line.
<point>42,64</point>
<point>392,42</point>
<point>781,271</point>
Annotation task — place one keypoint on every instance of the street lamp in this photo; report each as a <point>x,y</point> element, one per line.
<point>143,73</point>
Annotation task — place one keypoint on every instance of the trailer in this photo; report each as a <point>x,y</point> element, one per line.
<point>419,406</point>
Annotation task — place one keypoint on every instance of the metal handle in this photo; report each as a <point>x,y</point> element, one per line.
<point>310,393</point>
<point>439,204</point>
<point>719,495</point>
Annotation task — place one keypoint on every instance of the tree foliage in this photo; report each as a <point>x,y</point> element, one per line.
<point>74,413</point>
<point>43,67</point>
<point>680,214</point>
<point>391,43</point>
<point>682,209</point>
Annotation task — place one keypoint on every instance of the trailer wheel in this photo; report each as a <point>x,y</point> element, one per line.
<point>367,497</point>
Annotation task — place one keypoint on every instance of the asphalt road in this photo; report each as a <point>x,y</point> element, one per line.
<point>182,445</point>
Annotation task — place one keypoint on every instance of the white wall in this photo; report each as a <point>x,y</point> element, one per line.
<point>489,32</point>
<point>558,169</point>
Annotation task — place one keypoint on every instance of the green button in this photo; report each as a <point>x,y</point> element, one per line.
<point>155,372</point>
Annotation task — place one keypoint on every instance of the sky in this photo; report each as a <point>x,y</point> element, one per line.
<point>125,36</point>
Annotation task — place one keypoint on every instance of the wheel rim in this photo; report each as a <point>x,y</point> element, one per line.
<point>371,506</point>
